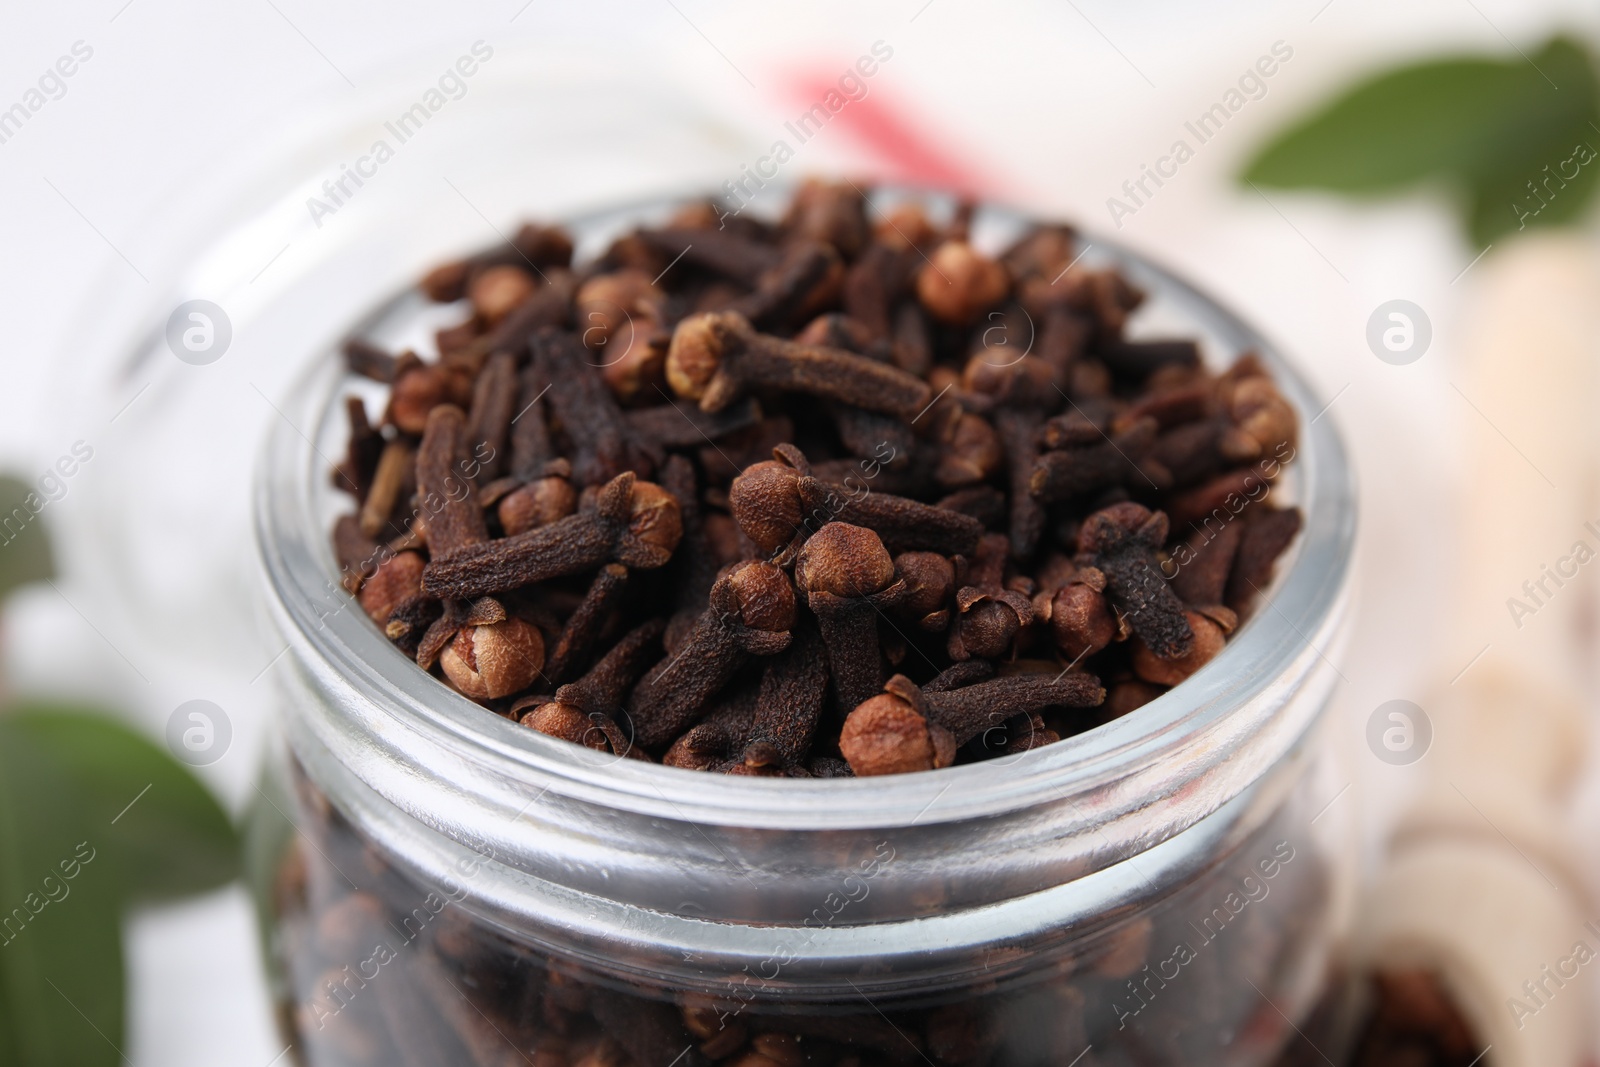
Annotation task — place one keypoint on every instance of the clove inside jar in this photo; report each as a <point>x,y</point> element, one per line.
<point>439,885</point>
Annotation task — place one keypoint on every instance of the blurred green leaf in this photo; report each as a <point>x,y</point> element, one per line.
<point>24,547</point>
<point>61,981</point>
<point>92,817</point>
<point>1486,128</point>
<point>171,837</point>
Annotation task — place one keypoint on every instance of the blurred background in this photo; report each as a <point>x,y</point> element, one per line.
<point>182,119</point>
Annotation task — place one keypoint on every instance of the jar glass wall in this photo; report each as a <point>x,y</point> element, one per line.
<point>440,885</point>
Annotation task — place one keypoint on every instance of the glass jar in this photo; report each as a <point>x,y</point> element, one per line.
<point>440,885</point>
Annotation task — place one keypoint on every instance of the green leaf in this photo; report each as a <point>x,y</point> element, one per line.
<point>92,817</point>
<point>167,836</point>
<point>1483,128</point>
<point>24,547</point>
<point>61,981</point>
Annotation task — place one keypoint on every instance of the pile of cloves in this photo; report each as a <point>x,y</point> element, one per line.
<point>834,494</point>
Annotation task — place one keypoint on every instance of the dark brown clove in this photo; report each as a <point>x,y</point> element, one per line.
<point>489,421</point>
<point>577,639</point>
<point>449,496</point>
<point>695,567</point>
<point>930,583</point>
<point>397,580</point>
<point>1110,460</point>
<point>1202,564</point>
<point>970,451</point>
<point>752,609</point>
<point>778,503</point>
<point>674,425</point>
<point>497,291</point>
<point>834,212</point>
<point>716,357</point>
<point>1210,629</point>
<point>633,523</point>
<point>713,743</point>
<point>410,620</point>
<point>729,254</point>
<point>1267,534</point>
<point>366,359</point>
<point>967,711</point>
<point>789,704</point>
<point>415,393</point>
<point>396,469</point>
<point>1121,542</point>
<point>1080,619</point>
<point>958,283</point>
<point>1141,358</point>
<point>848,578</point>
<point>354,475</point>
<point>603,444</point>
<point>989,614</point>
<point>586,711</point>
<point>803,282</point>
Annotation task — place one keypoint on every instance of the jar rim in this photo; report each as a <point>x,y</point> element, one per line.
<point>1209,712</point>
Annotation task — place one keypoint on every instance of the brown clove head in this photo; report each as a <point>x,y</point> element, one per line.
<point>988,623</point>
<point>695,355</point>
<point>1004,377</point>
<point>1122,526</point>
<point>494,660</point>
<point>1210,634</point>
<point>655,525</point>
<point>1261,412</point>
<point>417,392</point>
<point>397,579</point>
<point>765,502</point>
<point>1080,619</point>
<point>634,361</point>
<point>906,227</point>
<point>930,580</point>
<point>568,723</point>
<point>539,503</point>
<point>834,212</point>
<point>970,452</point>
<point>757,595</point>
<point>887,735</point>
<point>844,561</point>
<point>959,283</point>
<point>496,292</point>
<point>606,302</point>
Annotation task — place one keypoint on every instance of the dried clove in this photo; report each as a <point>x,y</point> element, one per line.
<point>779,503</point>
<point>454,516</point>
<point>590,707</point>
<point>958,283</point>
<point>836,449</point>
<point>603,444</point>
<point>1121,542</point>
<point>715,357</point>
<point>489,421</point>
<point>633,523</point>
<point>789,704</point>
<point>751,612</point>
<point>577,639</point>
<point>494,659</point>
<point>848,578</point>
